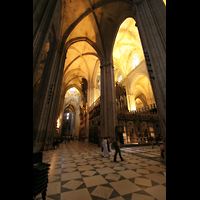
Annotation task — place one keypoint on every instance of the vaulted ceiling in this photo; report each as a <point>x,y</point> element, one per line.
<point>128,51</point>
<point>88,29</point>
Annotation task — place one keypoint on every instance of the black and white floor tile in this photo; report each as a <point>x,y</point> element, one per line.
<point>79,172</point>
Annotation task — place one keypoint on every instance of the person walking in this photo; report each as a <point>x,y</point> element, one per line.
<point>108,144</point>
<point>105,148</point>
<point>116,145</point>
<point>102,143</point>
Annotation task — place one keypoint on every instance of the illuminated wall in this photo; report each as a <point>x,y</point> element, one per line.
<point>164,1</point>
<point>130,67</point>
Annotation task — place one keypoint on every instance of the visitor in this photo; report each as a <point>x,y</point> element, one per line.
<point>102,145</point>
<point>116,145</point>
<point>105,148</point>
<point>108,144</point>
<point>162,151</point>
<point>157,139</point>
<point>55,143</point>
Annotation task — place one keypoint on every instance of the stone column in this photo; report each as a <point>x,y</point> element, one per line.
<point>77,120</point>
<point>71,125</point>
<point>127,93</point>
<point>54,111</point>
<point>151,23</point>
<point>87,114</point>
<point>42,19</point>
<point>89,95</point>
<point>108,115</point>
<point>41,105</point>
<point>45,110</point>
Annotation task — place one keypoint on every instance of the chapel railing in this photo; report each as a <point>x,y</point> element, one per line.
<point>145,108</point>
<point>139,110</point>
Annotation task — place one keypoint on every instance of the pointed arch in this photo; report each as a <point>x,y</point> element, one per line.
<point>79,39</point>
<point>73,85</point>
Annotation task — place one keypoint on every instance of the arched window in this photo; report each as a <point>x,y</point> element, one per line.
<point>135,61</point>
<point>119,78</point>
<point>72,91</point>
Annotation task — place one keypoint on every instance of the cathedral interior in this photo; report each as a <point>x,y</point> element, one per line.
<point>99,65</point>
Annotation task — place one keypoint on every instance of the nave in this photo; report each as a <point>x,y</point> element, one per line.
<point>79,172</point>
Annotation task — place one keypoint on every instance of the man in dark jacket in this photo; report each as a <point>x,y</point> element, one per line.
<point>116,145</point>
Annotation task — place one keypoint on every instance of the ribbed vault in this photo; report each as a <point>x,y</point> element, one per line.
<point>83,36</point>
<point>127,52</point>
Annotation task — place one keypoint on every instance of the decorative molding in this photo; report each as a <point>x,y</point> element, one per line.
<point>106,65</point>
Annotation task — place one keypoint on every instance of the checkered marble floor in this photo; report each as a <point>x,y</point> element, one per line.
<point>144,151</point>
<point>79,172</point>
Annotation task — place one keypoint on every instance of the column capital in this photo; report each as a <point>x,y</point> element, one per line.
<point>106,65</point>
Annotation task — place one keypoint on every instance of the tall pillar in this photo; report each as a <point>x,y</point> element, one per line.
<point>77,120</point>
<point>89,95</point>
<point>42,105</point>
<point>54,111</point>
<point>46,105</point>
<point>108,115</point>
<point>151,23</point>
<point>42,20</point>
<point>71,125</point>
<point>87,110</point>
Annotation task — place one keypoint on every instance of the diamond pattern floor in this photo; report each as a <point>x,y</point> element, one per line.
<point>79,172</point>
